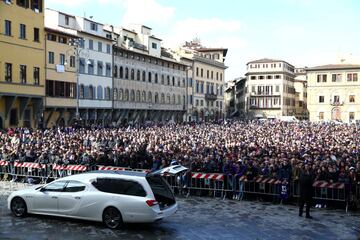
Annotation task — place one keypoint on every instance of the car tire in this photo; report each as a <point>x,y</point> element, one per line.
<point>18,207</point>
<point>112,218</point>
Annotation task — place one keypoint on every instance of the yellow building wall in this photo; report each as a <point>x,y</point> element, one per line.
<point>59,48</point>
<point>21,52</point>
<point>60,102</point>
<point>328,89</point>
<point>52,104</point>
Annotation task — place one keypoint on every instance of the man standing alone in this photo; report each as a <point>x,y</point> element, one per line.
<point>306,190</point>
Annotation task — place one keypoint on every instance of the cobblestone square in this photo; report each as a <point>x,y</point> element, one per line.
<point>197,218</point>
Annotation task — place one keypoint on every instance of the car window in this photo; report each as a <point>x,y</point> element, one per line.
<point>55,186</point>
<point>119,186</point>
<point>74,186</point>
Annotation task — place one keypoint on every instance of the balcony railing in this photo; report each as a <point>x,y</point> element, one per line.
<point>337,103</point>
<point>265,94</point>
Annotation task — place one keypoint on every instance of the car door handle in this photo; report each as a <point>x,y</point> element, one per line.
<point>54,197</point>
<point>77,197</point>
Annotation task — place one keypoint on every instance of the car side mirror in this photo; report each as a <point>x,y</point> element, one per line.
<point>42,189</point>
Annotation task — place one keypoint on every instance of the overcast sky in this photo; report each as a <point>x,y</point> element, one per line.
<point>302,32</point>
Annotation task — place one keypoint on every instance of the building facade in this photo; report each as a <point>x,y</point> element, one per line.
<point>149,84</point>
<point>300,85</point>
<point>235,96</point>
<point>22,73</point>
<point>333,92</point>
<point>270,89</point>
<point>95,72</point>
<point>207,81</point>
<point>60,92</point>
<point>91,46</point>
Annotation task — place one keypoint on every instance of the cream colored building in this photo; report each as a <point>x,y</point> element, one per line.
<point>334,92</point>
<point>149,84</point>
<point>207,80</point>
<point>270,89</point>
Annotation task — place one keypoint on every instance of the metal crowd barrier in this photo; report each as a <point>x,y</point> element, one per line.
<point>195,183</point>
<point>211,184</point>
<point>59,171</point>
<point>4,170</point>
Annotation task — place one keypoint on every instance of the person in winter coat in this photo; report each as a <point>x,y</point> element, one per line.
<point>306,190</point>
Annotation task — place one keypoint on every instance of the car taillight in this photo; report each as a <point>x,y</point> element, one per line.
<point>151,203</point>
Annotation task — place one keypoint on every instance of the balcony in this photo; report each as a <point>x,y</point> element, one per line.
<point>254,107</point>
<point>210,96</point>
<point>336,103</point>
<point>264,94</point>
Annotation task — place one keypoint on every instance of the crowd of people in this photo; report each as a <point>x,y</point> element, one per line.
<point>270,149</point>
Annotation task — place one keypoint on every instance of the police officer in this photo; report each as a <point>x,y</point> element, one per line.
<point>306,190</point>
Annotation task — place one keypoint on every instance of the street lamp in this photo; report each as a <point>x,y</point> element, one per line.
<point>188,68</point>
<point>77,43</point>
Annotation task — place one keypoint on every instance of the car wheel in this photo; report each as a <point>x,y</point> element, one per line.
<point>18,207</point>
<point>112,218</point>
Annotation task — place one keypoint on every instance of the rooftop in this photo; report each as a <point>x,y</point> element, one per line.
<point>265,60</point>
<point>224,50</point>
<point>334,67</point>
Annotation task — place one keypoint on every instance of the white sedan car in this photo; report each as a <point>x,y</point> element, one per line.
<point>111,197</point>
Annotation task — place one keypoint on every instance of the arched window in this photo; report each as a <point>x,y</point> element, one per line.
<point>156,97</point>
<point>149,97</point>
<point>121,93</point>
<point>179,99</point>
<point>149,78</point>
<point>107,93</point>
<point>132,96</point>
<point>137,96</point>
<point>81,91</point>
<point>162,79</point>
<point>168,80</point>
<point>168,98</point>
<point>178,82</point>
<point>126,95</point>
<point>173,81</point>
<point>91,92</point>
<point>115,94</point>
<point>99,92</point>
<point>183,100</point>
<point>144,76</point>
<point>156,78</point>
<point>143,96</point>
<point>86,92</point>
<point>173,99</point>
<point>138,75</point>
<point>132,74</point>
<point>115,71</point>
<point>121,72</point>
<point>183,82</point>
<point>126,73</point>
<point>162,98</point>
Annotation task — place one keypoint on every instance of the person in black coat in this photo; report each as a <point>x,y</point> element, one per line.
<point>306,190</point>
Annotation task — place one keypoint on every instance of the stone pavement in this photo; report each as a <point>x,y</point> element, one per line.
<point>197,218</point>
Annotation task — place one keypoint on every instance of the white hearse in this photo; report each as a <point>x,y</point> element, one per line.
<point>111,197</point>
